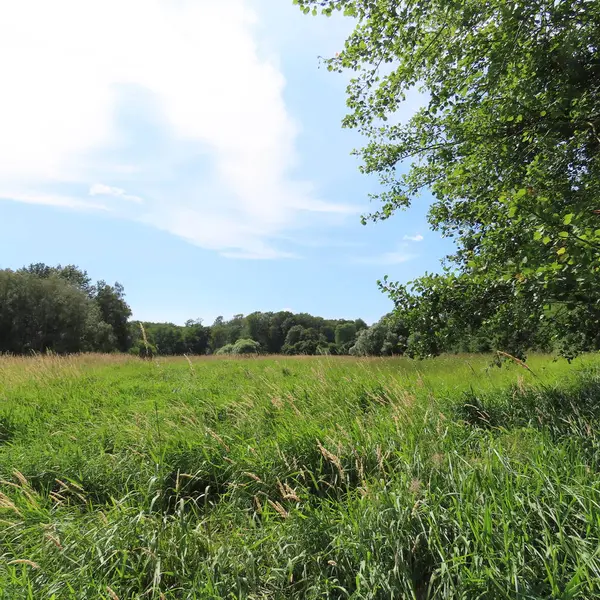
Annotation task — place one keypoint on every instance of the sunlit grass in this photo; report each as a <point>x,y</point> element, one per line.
<point>299,478</point>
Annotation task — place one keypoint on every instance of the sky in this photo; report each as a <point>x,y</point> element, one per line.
<point>192,150</point>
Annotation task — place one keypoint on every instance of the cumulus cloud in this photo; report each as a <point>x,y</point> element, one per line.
<point>223,179</point>
<point>414,238</point>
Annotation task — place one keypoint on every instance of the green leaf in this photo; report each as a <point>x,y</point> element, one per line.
<point>521,192</point>
<point>561,251</point>
<point>512,211</point>
<point>563,234</point>
<point>568,218</point>
<point>537,236</point>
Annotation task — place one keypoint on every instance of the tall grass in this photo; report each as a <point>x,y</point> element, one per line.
<point>299,478</point>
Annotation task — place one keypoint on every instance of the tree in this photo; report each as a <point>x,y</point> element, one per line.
<point>70,273</point>
<point>196,337</point>
<point>46,313</point>
<point>386,337</point>
<point>114,311</point>
<point>302,340</point>
<point>218,334</point>
<point>345,336</point>
<point>507,139</point>
<point>257,327</point>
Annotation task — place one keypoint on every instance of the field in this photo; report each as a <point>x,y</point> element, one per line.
<point>299,478</point>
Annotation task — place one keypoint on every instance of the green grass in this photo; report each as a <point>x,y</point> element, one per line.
<point>299,478</point>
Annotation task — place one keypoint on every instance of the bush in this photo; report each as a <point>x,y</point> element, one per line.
<point>227,349</point>
<point>246,346</point>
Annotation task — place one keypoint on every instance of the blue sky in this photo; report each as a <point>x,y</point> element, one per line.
<point>193,151</point>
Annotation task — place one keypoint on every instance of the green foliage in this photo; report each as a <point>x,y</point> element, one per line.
<point>387,337</point>
<point>58,309</point>
<point>246,346</point>
<point>507,141</point>
<point>38,314</point>
<point>227,349</point>
<point>298,478</point>
<point>345,336</point>
<point>171,340</point>
<point>114,311</point>
<point>286,333</point>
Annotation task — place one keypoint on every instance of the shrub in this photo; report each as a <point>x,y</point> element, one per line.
<point>227,349</point>
<point>246,346</point>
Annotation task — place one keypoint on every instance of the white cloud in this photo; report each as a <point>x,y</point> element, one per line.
<point>414,238</point>
<point>50,200</point>
<point>387,258</point>
<point>223,180</point>
<point>99,189</point>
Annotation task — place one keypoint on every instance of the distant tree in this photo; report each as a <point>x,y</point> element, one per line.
<point>235,328</point>
<point>218,335</point>
<point>246,346</point>
<point>360,325</point>
<point>386,337</point>
<point>70,273</point>
<point>257,326</point>
<point>114,311</point>
<point>301,340</point>
<point>345,336</point>
<point>328,332</point>
<point>196,337</point>
<point>45,313</point>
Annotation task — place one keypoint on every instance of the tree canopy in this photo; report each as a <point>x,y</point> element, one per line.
<point>507,141</point>
<point>57,309</point>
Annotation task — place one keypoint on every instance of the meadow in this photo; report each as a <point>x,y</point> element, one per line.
<point>316,477</point>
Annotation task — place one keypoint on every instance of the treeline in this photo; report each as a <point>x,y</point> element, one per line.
<point>59,309</point>
<point>280,332</point>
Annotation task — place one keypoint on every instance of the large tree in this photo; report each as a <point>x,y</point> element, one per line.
<point>507,138</point>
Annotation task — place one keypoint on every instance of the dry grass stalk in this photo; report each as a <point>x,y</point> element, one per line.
<point>415,486</point>
<point>332,458</point>
<point>360,469</point>
<point>290,399</point>
<point>54,539</point>
<point>515,360</point>
<point>21,478</point>
<point>287,492</point>
<point>279,509</point>
<point>190,363</point>
<point>253,476</point>
<point>217,437</point>
<point>68,487</point>
<point>7,503</point>
<point>24,561</point>
<point>145,338</point>
<point>111,592</point>
<point>56,497</point>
